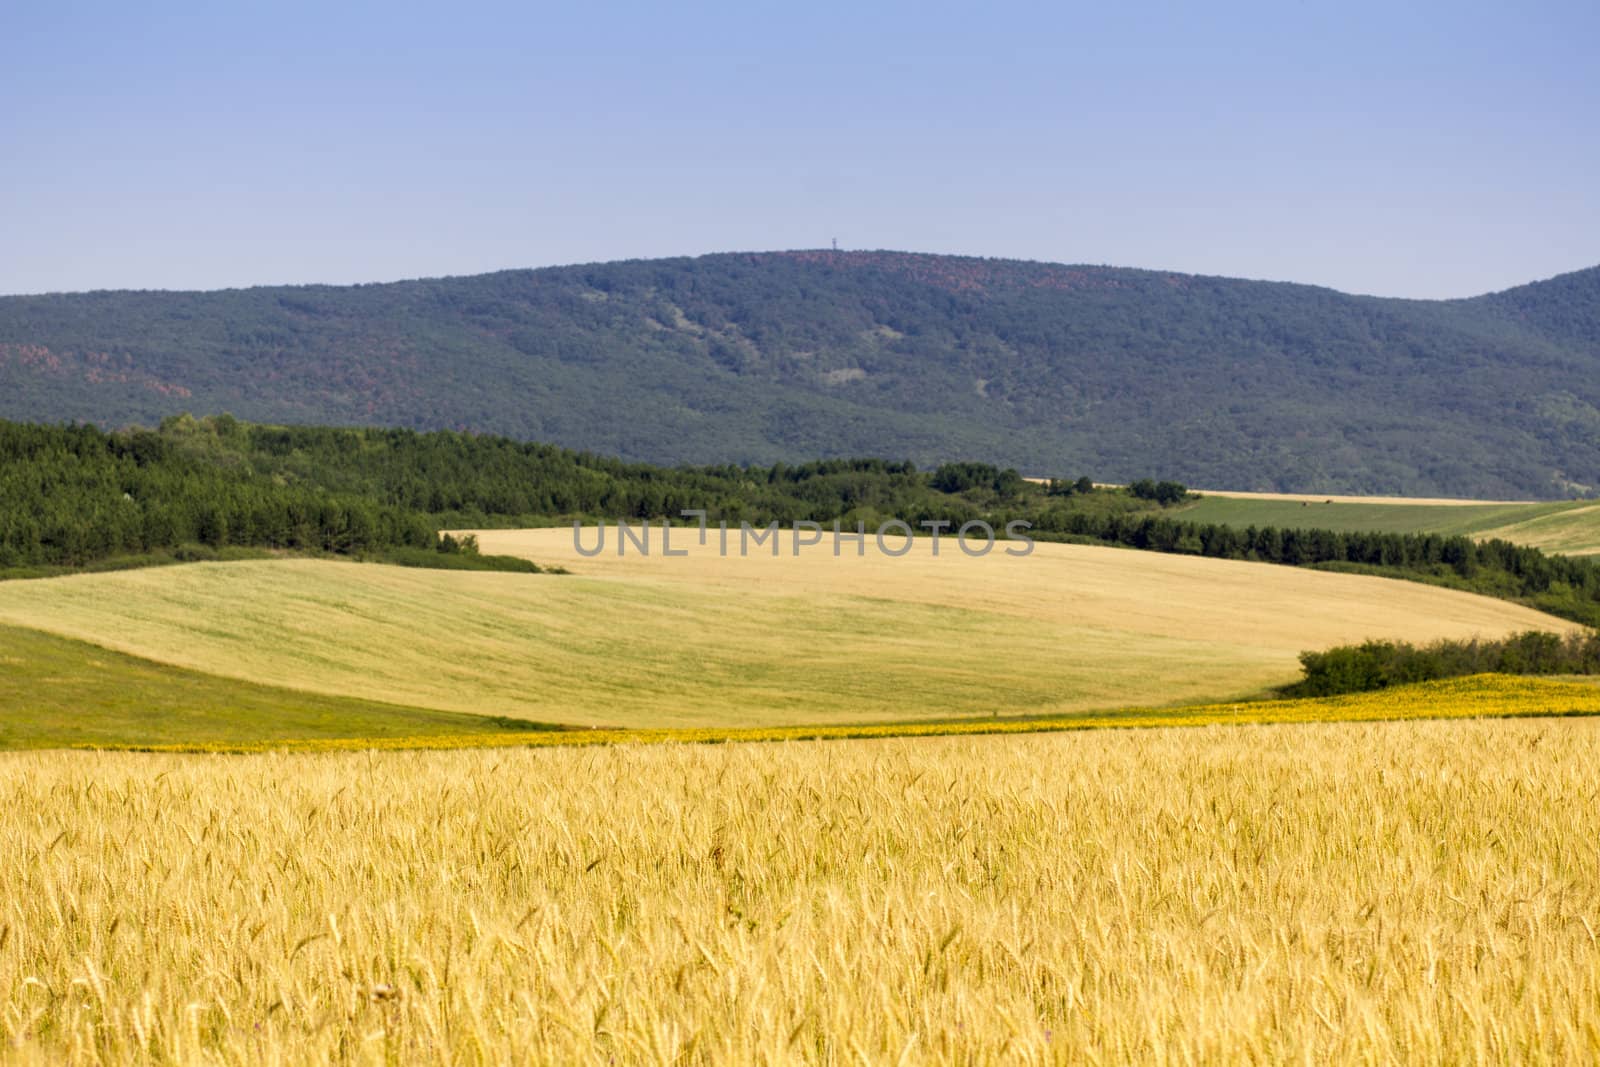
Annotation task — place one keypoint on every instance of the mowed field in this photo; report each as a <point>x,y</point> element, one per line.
<point>1388,893</point>
<point>713,641</point>
<point>1570,527</point>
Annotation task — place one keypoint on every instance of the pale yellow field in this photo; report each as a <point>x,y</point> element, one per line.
<point>758,641</point>
<point>1402,893</point>
<point>1175,596</point>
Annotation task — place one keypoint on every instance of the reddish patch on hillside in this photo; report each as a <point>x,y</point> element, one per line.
<point>95,368</point>
<point>31,357</point>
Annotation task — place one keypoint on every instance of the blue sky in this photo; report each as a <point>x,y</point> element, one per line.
<point>1410,150</point>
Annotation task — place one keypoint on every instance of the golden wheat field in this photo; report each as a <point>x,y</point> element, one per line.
<point>1358,893</point>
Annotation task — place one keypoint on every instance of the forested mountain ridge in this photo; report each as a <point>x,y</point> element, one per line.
<point>755,358</point>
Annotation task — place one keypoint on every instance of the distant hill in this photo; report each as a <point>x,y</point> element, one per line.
<point>1058,370</point>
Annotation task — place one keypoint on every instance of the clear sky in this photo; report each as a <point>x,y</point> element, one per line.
<point>1406,149</point>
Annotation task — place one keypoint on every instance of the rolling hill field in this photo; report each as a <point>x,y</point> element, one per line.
<point>704,640</point>
<point>1571,527</point>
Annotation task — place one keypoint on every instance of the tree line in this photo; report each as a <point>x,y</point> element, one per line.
<point>77,494</point>
<point>1380,664</point>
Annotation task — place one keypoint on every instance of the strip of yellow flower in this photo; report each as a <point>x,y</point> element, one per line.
<point>1479,696</point>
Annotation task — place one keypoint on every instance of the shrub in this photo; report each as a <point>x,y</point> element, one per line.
<point>1380,664</point>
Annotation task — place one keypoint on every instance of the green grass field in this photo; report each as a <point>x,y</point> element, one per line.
<point>57,692</point>
<point>1572,527</point>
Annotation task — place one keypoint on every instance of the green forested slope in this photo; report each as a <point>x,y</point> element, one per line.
<point>787,356</point>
